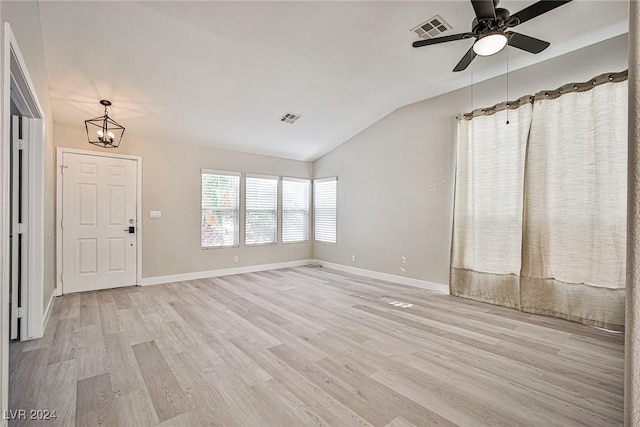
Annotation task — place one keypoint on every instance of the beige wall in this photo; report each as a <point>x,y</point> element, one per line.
<point>395,185</point>
<point>171,184</point>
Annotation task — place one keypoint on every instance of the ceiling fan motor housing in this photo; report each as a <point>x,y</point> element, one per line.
<point>501,22</point>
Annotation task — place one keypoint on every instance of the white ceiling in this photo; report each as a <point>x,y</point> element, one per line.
<point>223,73</point>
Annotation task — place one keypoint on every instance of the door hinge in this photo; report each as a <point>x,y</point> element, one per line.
<point>62,168</point>
<point>22,228</point>
<point>61,277</point>
<point>21,144</point>
<point>62,223</point>
<point>22,312</point>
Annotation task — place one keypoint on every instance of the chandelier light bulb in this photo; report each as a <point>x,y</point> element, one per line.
<point>100,134</point>
<point>490,44</point>
<point>111,136</point>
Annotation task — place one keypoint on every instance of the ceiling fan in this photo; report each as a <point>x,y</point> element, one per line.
<point>489,28</point>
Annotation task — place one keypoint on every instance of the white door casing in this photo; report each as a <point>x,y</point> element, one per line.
<point>99,204</point>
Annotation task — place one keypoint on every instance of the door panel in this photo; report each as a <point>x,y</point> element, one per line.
<point>98,206</point>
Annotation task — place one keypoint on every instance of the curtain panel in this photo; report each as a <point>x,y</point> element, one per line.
<point>574,233</point>
<point>540,205</point>
<point>487,233</point>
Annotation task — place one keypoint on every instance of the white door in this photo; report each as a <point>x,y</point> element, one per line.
<point>98,222</point>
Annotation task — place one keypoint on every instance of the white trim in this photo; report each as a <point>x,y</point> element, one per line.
<point>261,176</point>
<point>423,284</point>
<point>327,179</point>
<point>219,172</point>
<point>47,312</point>
<point>157,280</point>
<point>35,235</point>
<point>294,179</point>
<point>138,160</point>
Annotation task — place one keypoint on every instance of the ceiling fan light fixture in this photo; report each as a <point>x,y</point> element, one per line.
<point>490,44</point>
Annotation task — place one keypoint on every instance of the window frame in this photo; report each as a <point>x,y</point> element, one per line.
<point>309,210</point>
<point>322,180</point>
<point>237,208</point>
<point>276,178</point>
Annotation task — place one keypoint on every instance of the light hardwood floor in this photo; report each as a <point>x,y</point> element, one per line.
<point>312,346</point>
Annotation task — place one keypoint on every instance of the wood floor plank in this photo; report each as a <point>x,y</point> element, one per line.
<point>63,347</point>
<point>123,367</point>
<point>62,378</point>
<point>94,402</point>
<point>312,346</point>
<point>300,386</point>
<point>168,398</point>
<point>135,409</point>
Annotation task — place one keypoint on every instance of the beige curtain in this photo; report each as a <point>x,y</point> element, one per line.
<point>540,205</point>
<point>487,235</point>
<point>574,234</point>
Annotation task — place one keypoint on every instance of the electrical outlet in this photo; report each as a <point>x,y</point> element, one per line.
<point>235,258</point>
<point>353,258</point>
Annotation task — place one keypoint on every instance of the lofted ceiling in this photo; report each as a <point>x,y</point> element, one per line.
<point>223,73</point>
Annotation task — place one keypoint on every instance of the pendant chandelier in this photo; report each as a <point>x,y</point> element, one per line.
<point>104,131</point>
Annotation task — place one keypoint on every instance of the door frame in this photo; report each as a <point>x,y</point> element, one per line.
<point>18,86</point>
<point>138,159</point>
<point>15,73</point>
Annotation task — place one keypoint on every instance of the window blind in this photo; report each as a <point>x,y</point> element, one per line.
<point>220,198</point>
<point>295,210</point>
<point>324,209</point>
<point>261,210</point>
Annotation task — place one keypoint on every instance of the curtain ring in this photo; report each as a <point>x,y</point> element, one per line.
<point>560,90</point>
<point>610,77</point>
<point>575,87</point>
<point>593,82</point>
<point>546,94</point>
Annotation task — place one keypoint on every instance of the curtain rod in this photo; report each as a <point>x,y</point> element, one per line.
<point>547,94</point>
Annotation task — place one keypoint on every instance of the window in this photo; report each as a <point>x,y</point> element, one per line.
<point>324,209</point>
<point>220,208</point>
<point>295,210</point>
<point>261,210</point>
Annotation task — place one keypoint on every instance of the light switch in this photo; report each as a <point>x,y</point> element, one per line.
<point>155,214</point>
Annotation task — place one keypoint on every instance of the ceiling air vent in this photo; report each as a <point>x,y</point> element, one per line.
<point>290,117</point>
<point>431,28</point>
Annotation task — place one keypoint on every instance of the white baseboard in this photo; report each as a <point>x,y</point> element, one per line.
<point>157,280</point>
<point>431,286</point>
<point>47,312</point>
<point>423,284</point>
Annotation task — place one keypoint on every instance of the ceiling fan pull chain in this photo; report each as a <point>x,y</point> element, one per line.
<point>507,86</point>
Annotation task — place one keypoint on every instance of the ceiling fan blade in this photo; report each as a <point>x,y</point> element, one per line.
<point>444,39</point>
<point>466,60</point>
<point>530,44</point>
<point>537,9</point>
<point>484,9</point>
